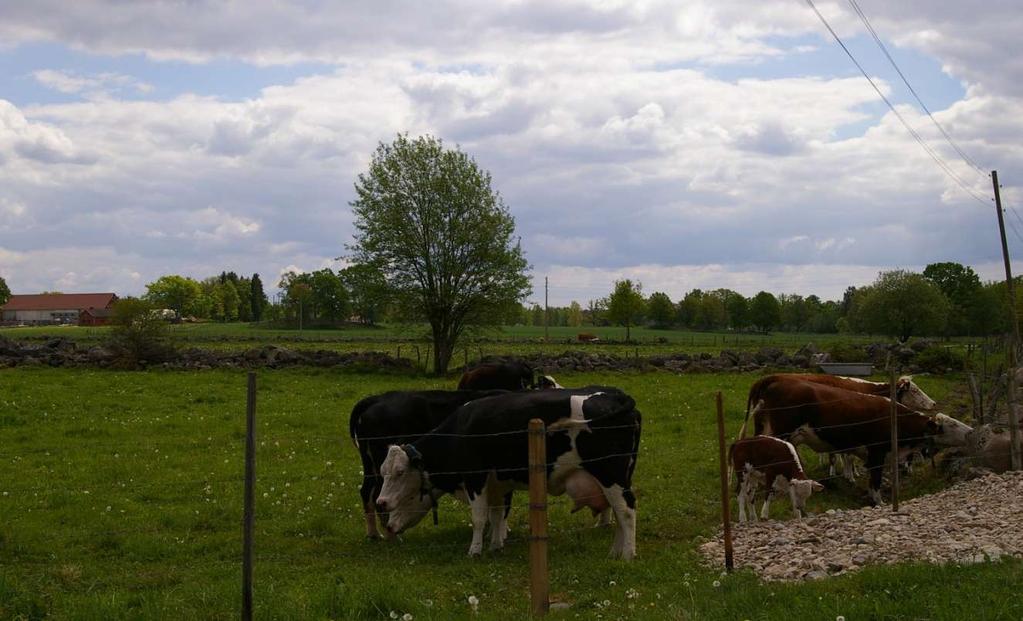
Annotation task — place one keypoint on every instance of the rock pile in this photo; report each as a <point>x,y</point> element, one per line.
<point>970,522</point>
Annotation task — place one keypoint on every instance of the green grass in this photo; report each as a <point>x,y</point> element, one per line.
<point>120,498</point>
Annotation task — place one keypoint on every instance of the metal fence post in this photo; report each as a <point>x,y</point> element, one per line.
<point>726,507</point>
<point>538,585</point>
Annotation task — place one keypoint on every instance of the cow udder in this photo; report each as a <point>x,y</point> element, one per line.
<point>585,491</point>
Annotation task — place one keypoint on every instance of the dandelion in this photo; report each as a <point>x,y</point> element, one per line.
<point>612,583</point>
<point>394,615</point>
<point>474,602</point>
<point>717,583</point>
<point>839,618</point>
<point>631,594</point>
<point>407,616</point>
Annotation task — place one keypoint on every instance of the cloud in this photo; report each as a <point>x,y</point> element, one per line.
<point>92,86</point>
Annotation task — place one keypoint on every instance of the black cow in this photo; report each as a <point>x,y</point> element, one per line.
<point>480,453</point>
<point>395,417</point>
<point>498,375</point>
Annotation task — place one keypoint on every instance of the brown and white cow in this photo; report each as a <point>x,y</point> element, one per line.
<point>830,418</point>
<point>765,461</point>
<point>907,393</point>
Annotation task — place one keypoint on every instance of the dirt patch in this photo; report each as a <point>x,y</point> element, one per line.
<point>970,522</point>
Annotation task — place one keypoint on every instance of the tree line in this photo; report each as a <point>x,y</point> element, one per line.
<point>947,299</point>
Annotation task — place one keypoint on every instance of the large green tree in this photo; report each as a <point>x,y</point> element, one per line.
<point>442,236</point>
<point>962,288</point>
<point>764,311</point>
<point>178,293</point>
<point>902,304</point>
<point>257,298</point>
<point>660,310</point>
<point>5,292</point>
<point>625,305</point>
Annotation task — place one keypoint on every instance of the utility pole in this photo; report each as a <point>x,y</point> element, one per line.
<point>1014,451</point>
<point>546,312</point>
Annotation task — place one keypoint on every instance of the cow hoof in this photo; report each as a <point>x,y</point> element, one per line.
<point>475,552</point>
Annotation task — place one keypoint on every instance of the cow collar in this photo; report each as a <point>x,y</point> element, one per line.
<point>415,459</point>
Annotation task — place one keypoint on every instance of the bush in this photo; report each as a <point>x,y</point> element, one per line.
<point>940,360</point>
<point>138,334</point>
<point>843,352</point>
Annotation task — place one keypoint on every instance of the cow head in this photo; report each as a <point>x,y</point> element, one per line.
<point>910,395</point>
<point>800,490</point>
<point>404,495</point>
<point>545,382</point>
<point>948,431</point>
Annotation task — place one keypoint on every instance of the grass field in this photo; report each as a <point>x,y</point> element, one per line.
<point>120,498</point>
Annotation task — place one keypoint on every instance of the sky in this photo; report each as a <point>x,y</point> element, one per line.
<point>705,144</point>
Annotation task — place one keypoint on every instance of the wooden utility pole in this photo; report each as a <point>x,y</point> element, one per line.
<point>893,399</point>
<point>726,508</point>
<point>538,586</point>
<point>1014,450</point>
<point>546,311</point>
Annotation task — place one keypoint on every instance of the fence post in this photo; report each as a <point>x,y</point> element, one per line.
<point>726,507</point>
<point>895,438</point>
<point>538,587</point>
<point>249,520</point>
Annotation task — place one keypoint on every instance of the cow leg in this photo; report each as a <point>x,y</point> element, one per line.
<point>875,464</point>
<point>831,463</point>
<point>623,503</point>
<point>480,510</point>
<point>604,519</point>
<point>765,511</point>
<point>369,492</point>
<point>498,523</point>
<point>848,468</point>
<point>743,490</point>
<point>795,503</point>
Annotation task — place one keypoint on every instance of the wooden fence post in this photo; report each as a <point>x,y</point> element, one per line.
<point>249,519</point>
<point>726,507</point>
<point>895,438</point>
<point>538,586</point>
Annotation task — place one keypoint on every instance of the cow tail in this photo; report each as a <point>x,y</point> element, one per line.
<point>356,417</point>
<point>753,390</point>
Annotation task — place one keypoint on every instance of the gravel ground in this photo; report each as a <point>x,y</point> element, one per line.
<point>970,522</point>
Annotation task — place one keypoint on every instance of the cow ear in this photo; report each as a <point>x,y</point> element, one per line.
<point>815,486</point>
<point>415,458</point>
<point>933,426</point>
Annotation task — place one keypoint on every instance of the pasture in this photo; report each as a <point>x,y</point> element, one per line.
<point>121,495</point>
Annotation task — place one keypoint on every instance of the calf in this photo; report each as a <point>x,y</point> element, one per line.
<point>480,452</point>
<point>400,416</point>
<point>763,461</point>
<point>843,421</point>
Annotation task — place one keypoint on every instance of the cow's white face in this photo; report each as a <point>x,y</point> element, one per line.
<point>913,397</point>
<point>401,494</point>
<point>951,432</point>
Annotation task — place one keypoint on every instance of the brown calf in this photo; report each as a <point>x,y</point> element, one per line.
<point>763,461</point>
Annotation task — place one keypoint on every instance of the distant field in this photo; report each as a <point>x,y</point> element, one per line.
<point>120,498</point>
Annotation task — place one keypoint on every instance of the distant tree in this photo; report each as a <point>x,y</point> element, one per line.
<point>765,313</point>
<point>596,312</point>
<point>961,287</point>
<point>5,292</point>
<point>329,297</point>
<point>737,308</point>
<point>229,301</point>
<point>257,298</point>
<point>443,238</point>
<point>367,289</point>
<point>794,312</point>
<point>625,305</point>
<point>574,315</point>
<point>660,310</point>
<point>175,292</point>
<point>689,308</point>
<point>902,304</point>
<point>710,312</point>
<point>536,315</point>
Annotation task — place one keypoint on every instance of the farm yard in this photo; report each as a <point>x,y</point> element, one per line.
<point>121,496</point>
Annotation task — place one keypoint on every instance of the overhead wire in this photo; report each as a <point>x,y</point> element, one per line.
<point>877,39</point>
<point>916,136</point>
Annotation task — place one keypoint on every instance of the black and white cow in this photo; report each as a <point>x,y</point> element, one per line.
<point>395,417</point>
<point>480,453</point>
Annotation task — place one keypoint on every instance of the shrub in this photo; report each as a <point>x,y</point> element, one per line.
<point>940,360</point>
<point>843,352</point>
<point>138,334</point>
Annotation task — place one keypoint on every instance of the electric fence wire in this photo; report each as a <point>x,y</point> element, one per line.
<point>916,136</point>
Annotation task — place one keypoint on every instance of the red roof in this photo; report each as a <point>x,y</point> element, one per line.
<point>58,301</point>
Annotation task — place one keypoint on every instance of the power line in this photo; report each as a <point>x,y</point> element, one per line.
<point>880,44</point>
<point>941,163</point>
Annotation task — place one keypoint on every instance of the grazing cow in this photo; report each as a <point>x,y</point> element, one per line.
<point>499,375</point>
<point>826,416</point>
<point>764,461</point>
<point>906,391</point>
<point>586,337</point>
<point>400,416</point>
<point>480,453</point>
